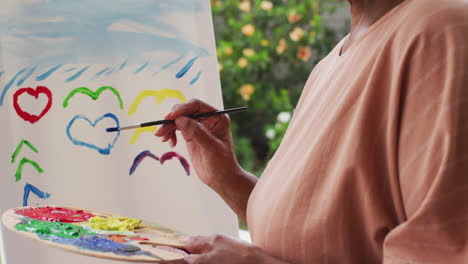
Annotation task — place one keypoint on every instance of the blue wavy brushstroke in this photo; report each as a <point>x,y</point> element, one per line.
<point>7,87</point>
<point>28,188</point>
<point>105,150</point>
<point>71,69</point>
<point>186,68</point>
<point>170,63</point>
<point>101,72</point>
<point>76,75</point>
<point>109,72</point>
<point>123,64</point>
<point>141,68</point>
<point>196,78</point>
<point>48,73</point>
<point>21,81</point>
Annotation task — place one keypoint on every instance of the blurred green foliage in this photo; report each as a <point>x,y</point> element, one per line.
<point>266,50</point>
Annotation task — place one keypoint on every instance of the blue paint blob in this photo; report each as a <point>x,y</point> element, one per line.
<point>1,73</point>
<point>141,68</point>
<point>196,78</point>
<point>48,73</point>
<point>71,69</point>
<point>140,157</point>
<point>166,156</point>
<point>103,244</point>
<point>7,87</point>
<point>76,75</point>
<point>112,70</point>
<point>123,64</point>
<point>171,63</point>
<point>28,188</point>
<point>186,68</point>
<point>101,72</point>
<point>105,150</point>
<point>21,81</point>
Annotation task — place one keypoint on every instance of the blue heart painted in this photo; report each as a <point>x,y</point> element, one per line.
<point>104,151</point>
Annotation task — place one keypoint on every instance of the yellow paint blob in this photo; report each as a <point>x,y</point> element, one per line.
<point>138,131</point>
<point>114,223</point>
<point>159,95</point>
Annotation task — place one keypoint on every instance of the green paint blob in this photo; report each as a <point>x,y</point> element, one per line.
<point>59,229</point>
<point>93,95</point>
<point>23,161</point>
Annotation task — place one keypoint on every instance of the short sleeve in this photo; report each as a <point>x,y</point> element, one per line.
<point>433,151</point>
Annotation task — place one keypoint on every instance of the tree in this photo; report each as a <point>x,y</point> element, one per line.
<point>266,50</point>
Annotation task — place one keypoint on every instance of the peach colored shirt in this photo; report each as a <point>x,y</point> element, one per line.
<point>374,165</point>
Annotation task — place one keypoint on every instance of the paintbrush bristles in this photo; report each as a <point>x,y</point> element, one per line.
<point>112,129</point>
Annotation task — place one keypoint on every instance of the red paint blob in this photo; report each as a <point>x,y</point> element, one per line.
<point>35,93</point>
<point>52,214</point>
<point>138,238</point>
<point>118,238</point>
<point>125,238</point>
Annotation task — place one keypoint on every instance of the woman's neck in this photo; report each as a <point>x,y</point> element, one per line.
<point>364,13</point>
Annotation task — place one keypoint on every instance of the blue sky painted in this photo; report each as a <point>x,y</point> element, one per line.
<point>53,32</point>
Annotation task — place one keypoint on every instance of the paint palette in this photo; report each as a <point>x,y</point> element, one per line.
<point>96,234</point>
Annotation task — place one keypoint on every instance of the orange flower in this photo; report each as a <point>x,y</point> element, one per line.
<point>296,34</point>
<point>248,30</point>
<point>246,91</point>
<point>244,6</point>
<point>282,46</point>
<point>242,62</point>
<point>228,50</point>
<point>304,53</point>
<point>294,17</point>
<point>266,5</point>
<point>248,52</point>
<point>220,67</point>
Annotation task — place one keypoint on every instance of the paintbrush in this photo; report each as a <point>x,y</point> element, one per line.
<point>162,122</point>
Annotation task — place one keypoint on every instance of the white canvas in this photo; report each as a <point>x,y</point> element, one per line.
<point>161,52</point>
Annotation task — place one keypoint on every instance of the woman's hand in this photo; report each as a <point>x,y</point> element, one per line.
<point>219,249</point>
<point>209,144</point>
<point>209,141</point>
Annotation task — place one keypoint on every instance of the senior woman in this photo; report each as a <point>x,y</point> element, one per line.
<point>374,165</point>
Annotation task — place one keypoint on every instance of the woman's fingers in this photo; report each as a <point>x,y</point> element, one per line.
<point>194,130</point>
<point>197,259</point>
<point>173,140</point>
<point>196,244</point>
<point>203,131</point>
<point>193,106</point>
<point>171,249</point>
<point>165,130</point>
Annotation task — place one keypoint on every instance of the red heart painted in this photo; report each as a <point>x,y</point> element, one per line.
<point>25,115</point>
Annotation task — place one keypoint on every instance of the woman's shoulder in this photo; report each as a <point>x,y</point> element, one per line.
<point>427,25</point>
<point>432,17</point>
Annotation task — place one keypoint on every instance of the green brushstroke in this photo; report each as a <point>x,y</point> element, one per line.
<point>21,164</point>
<point>18,149</point>
<point>93,95</point>
<point>59,229</point>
